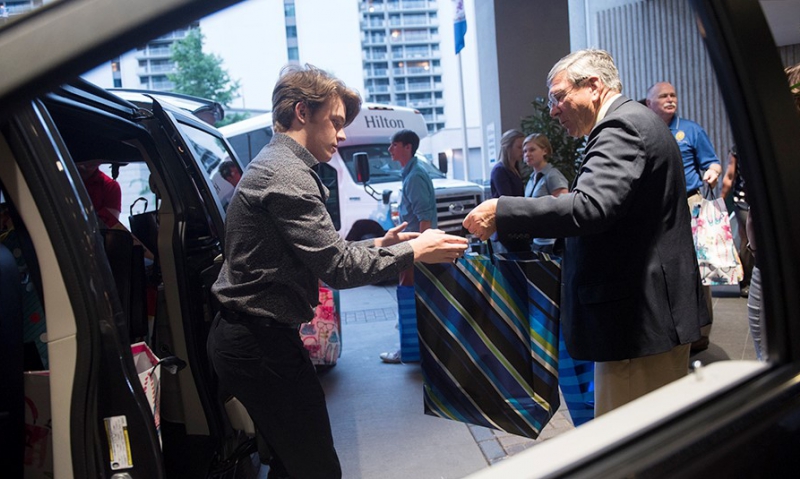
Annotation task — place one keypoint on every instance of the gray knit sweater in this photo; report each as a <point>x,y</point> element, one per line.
<point>279,241</point>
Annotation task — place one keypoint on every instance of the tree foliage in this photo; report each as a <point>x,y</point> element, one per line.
<point>201,74</point>
<point>567,151</point>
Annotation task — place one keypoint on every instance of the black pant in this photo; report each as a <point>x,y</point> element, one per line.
<point>269,371</point>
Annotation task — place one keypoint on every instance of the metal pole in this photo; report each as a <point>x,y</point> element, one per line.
<point>463,121</point>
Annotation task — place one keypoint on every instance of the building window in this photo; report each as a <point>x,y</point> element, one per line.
<point>294,54</point>
<point>291,31</point>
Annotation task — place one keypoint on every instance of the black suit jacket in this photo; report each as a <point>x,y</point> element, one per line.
<point>630,281</point>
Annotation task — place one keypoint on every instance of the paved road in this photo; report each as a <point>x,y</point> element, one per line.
<point>376,409</point>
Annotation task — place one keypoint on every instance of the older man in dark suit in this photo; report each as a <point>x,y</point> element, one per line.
<point>631,296</point>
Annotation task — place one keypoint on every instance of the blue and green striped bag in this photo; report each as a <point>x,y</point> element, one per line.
<point>489,341</point>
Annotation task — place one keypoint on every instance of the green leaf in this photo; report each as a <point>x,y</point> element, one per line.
<point>201,74</point>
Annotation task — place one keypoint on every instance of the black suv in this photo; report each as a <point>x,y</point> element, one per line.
<point>92,288</point>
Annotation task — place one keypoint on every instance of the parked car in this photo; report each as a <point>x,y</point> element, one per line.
<point>111,296</point>
<point>730,419</point>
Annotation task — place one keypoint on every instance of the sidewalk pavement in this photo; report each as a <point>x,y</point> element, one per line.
<point>376,409</point>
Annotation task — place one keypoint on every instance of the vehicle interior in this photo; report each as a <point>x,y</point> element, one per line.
<point>163,256</point>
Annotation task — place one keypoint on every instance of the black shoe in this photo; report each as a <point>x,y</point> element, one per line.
<point>744,291</point>
<point>700,345</point>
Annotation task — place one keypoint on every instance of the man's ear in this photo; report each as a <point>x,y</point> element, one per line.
<point>300,111</point>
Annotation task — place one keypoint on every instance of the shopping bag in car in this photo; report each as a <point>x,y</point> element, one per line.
<point>322,335</point>
<point>149,371</point>
<point>484,361</point>
<point>38,459</point>
<point>713,240</point>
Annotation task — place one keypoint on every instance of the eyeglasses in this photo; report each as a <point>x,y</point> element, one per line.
<point>558,98</point>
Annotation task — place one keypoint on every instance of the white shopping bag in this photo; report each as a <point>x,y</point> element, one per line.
<point>150,376</point>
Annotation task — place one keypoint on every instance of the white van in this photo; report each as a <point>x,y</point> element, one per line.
<point>360,212</point>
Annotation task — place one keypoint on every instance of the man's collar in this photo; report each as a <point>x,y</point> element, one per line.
<point>606,105</point>
<point>672,123</point>
<point>409,165</point>
<point>296,148</point>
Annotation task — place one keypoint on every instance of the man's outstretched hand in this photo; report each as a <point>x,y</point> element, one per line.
<point>481,221</point>
<point>436,246</point>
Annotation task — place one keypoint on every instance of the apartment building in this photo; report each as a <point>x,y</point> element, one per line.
<point>402,57</point>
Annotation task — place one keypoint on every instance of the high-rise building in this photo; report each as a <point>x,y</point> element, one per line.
<point>401,56</point>
<point>155,61</point>
<point>292,49</point>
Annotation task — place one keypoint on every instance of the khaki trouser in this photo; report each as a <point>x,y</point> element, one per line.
<point>619,382</point>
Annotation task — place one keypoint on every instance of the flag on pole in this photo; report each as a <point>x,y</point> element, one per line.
<point>459,24</point>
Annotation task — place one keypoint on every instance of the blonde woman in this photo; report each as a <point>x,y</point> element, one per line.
<point>506,180</point>
<point>545,180</point>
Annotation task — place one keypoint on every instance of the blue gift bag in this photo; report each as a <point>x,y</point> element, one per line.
<point>407,324</point>
<point>542,273</point>
<point>576,380</point>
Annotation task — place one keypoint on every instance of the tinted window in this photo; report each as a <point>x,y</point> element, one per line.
<point>213,155</point>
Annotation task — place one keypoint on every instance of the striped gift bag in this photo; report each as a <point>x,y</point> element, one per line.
<point>542,274</point>
<point>407,324</point>
<point>576,380</point>
<point>485,359</point>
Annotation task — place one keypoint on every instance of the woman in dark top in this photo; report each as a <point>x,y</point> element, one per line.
<point>506,179</point>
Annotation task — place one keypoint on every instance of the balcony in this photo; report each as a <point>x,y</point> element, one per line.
<point>373,24</point>
<point>419,87</point>
<point>375,56</point>
<point>155,70</point>
<point>376,72</point>
<point>154,52</point>
<point>411,5</point>
<point>375,40</point>
<point>427,103</point>
<point>408,37</point>
<point>416,71</point>
<point>373,89</point>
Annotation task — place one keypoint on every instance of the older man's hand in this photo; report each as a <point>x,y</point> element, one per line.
<point>481,221</point>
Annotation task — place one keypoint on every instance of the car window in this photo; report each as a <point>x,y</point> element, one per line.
<point>215,162</point>
<point>382,168</point>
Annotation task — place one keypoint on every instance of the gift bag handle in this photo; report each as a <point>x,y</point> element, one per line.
<point>708,192</point>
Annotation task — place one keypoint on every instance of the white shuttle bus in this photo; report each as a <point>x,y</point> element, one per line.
<point>360,212</point>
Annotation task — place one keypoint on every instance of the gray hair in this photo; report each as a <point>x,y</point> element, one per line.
<point>584,64</point>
